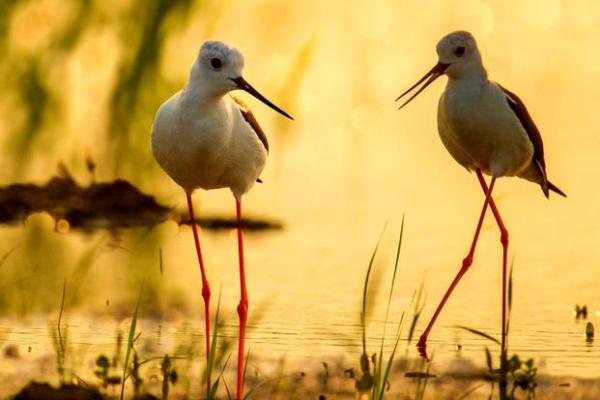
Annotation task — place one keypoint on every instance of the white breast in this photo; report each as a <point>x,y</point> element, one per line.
<point>206,146</point>
<point>480,130</point>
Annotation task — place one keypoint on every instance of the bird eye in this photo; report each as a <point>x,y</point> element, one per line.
<point>460,50</point>
<point>215,63</point>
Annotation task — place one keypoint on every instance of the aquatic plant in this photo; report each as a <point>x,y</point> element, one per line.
<point>377,382</point>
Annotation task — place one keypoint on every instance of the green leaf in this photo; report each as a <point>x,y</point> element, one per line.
<point>479,333</point>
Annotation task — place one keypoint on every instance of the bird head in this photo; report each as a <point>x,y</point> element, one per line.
<point>218,69</point>
<point>458,56</point>
<point>459,52</point>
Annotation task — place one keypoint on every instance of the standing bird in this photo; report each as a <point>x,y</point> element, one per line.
<point>204,138</point>
<point>486,129</point>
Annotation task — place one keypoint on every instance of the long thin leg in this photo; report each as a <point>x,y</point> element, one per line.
<point>242,308</point>
<point>205,288</point>
<point>467,261</point>
<point>504,241</point>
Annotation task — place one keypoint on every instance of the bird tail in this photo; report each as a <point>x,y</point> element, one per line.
<point>555,189</point>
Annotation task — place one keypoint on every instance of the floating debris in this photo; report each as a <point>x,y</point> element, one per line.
<point>12,351</point>
<point>419,375</point>
<point>589,332</point>
<point>222,223</point>
<point>580,312</point>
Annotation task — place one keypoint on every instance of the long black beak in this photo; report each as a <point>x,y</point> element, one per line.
<point>243,85</point>
<point>433,74</point>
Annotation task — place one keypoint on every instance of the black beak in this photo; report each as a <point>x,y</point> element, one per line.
<point>433,74</point>
<point>243,85</point>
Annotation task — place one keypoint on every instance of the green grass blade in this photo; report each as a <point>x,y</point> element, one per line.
<point>249,394</point>
<point>161,263</point>
<point>130,341</point>
<point>398,249</point>
<point>468,392</point>
<point>213,389</point>
<point>488,359</point>
<point>246,365</point>
<point>7,254</point>
<point>62,307</point>
<point>215,386</point>
<point>425,380</point>
<point>213,345</point>
<point>479,333</point>
<point>388,367</point>
<point>379,386</point>
<point>510,294</point>
<point>418,309</point>
<point>363,317</point>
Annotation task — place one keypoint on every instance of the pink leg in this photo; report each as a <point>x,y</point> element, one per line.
<point>205,287</point>
<point>504,241</point>
<point>243,305</point>
<point>468,260</point>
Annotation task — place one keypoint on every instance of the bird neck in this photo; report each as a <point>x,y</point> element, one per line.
<point>473,77</point>
<point>202,95</point>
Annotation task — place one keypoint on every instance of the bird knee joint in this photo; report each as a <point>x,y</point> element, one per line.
<point>242,309</point>
<point>467,261</point>
<point>205,292</point>
<point>504,237</point>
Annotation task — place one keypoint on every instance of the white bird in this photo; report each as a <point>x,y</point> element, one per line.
<point>486,129</point>
<point>204,138</point>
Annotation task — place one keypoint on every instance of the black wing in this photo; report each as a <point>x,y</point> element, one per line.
<point>518,107</point>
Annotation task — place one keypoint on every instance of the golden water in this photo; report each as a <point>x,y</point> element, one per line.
<point>350,162</point>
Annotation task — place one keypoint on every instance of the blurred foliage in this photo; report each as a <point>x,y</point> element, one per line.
<point>32,96</point>
<point>44,46</point>
<point>41,38</point>
<point>138,73</point>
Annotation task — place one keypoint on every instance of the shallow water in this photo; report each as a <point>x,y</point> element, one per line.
<point>305,307</point>
<point>347,164</point>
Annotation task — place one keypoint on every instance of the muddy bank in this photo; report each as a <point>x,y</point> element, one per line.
<point>333,382</point>
<point>103,205</point>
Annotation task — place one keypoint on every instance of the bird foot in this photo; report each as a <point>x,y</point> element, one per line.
<point>422,347</point>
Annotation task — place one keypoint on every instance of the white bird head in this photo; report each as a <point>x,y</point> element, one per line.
<point>458,56</point>
<point>218,69</point>
<point>216,64</point>
<point>458,50</point>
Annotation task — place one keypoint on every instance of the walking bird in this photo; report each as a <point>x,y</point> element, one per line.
<point>487,129</point>
<point>204,138</point>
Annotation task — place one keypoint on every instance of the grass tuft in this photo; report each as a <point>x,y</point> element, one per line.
<point>377,383</point>
<point>130,341</point>
<point>213,349</point>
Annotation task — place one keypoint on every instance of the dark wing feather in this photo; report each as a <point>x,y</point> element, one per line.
<point>249,117</point>
<point>518,107</point>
